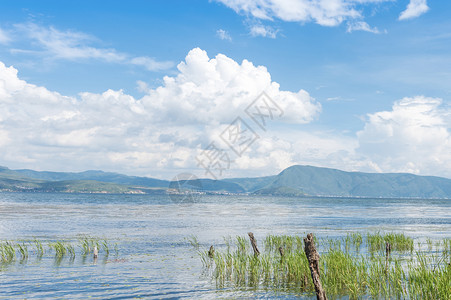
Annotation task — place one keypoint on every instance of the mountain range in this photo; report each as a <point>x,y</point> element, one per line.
<point>294,181</point>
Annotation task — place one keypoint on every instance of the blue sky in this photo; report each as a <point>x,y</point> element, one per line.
<point>90,91</point>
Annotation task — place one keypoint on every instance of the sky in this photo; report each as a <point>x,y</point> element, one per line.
<point>226,88</point>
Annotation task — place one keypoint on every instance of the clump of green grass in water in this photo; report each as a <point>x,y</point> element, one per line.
<point>344,273</point>
<point>193,241</point>
<point>429,280</point>
<point>7,252</point>
<point>70,250</point>
<point>39,248</point>
<point>87,244</point>
<point>59,248</point>
<point>23,250</point>
<point>354,239</point>
<point>397,241</point>
<point>106,247</point>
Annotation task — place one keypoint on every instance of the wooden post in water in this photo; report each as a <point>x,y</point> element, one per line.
<point>281,252</point>
<point>253,243</point>
<point>313,260</point>
<point>387,255</point>
<point>211,252</point>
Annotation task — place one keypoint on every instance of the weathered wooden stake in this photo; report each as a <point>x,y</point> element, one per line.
<point>253,243</point>
<point>211,252</point>
<point>313,260</point>
<point>281,252</point>
<point>387,254</point>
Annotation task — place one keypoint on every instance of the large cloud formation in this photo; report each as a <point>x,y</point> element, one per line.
<point>413,137</point>
<point>161,131</point>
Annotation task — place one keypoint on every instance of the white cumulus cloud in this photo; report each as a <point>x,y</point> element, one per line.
<point>414,9</point>
<point>216,90</point>
<point>413,137</point>
<point>161,133</point>
<point>158,134</point>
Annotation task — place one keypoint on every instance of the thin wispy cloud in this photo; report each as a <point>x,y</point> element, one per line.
<point>262,30</point>
<point>339,98</point>
<point>4,37</point>
<point>67,44</point>
<point>223,35</point>
<point>414,9</point>
<point>320,12</point>
<point>324,13</point>
<point>53,44</point>
<point>151,64</point>
<point>361,26</point>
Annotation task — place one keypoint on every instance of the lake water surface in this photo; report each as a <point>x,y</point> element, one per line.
<point>154,258</point>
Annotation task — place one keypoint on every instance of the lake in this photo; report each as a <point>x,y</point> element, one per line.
<point>154,259</point>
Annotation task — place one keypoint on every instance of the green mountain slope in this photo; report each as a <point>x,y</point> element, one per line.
<point>143,182</point>
<point>252,184</point>
<point>293,181</point>
<point>331,182</point>
<point>13,181</point>
<point>97,176</point>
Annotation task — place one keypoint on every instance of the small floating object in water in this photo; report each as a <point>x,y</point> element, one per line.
<point>118,260</point>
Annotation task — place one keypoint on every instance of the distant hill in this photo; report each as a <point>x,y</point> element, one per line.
<point>95,175</point>
<point>252,184</point>
<point>293,181</point>
<point>316,181</point>
<point>98,182</point>
<point>15,181</point>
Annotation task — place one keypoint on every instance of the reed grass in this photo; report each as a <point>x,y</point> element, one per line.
<point>7,252</point>
<point>59,247</point>
<point>10,251</point>
<point>39,248</point>
<point>398,241</point>
<point>346,270</point>
<point>23,250</point>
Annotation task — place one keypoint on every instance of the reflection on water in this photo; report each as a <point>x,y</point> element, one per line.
<point>155,260</point>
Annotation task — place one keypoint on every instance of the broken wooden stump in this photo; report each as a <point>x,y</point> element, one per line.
<point>313,260</point>
<point>253,243</point>
<point>211,252</point>
<point>387,255</point>
<point>281,252</point>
